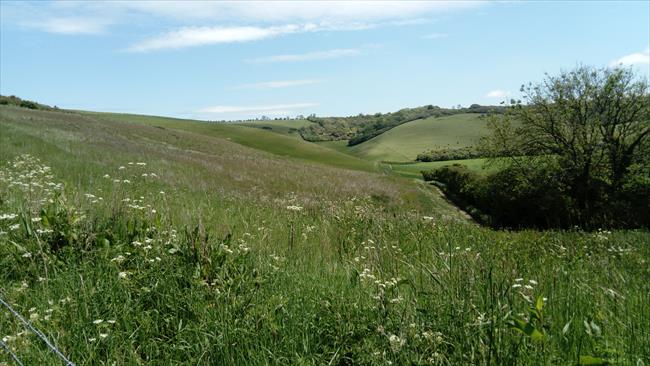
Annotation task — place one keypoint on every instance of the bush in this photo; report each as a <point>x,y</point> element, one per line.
<point>506,199</point>
<point>14,100</point>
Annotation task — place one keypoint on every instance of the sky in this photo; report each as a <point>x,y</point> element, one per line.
<point>237,60</point>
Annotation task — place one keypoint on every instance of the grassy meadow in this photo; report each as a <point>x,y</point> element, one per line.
<point>133,240</point>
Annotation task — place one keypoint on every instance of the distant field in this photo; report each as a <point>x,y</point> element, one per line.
<point>286,127</point>
<point>256,138</point>
<point>405,142</point>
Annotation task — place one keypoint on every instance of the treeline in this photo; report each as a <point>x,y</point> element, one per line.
<point>579,155</point>
<point>363,127</point>
<point>14,100</point>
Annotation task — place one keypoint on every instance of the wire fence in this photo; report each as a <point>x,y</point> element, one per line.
<point>13,355</point>
<point>40,335</point>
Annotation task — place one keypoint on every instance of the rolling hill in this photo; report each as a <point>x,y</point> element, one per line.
<point>257,138</point>
<point>286,127</point>
<point>235,160</point>
<point>151,240</point>
<point>403,143</point>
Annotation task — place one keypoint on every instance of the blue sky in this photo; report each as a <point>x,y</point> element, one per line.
<point>220,60</point>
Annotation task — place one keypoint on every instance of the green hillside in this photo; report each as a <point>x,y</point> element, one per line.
<point>405,142</point>
<point>148,240</point>
<point>286,127</point>
<point>252,137</point>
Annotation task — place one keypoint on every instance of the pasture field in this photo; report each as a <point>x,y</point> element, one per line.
<point>142,240</point>
<point>406,141</point>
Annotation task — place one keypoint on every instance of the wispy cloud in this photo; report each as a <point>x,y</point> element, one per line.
<point>71,25</point>
<point>248,21</point>
<point>198,36</point>
<point>260,109</point>
<point>309,56</point>
<point>435,36</point>
<point>637,58</point>
<point>281,84</point>
<point>497,94</point>
<point>282,11</point>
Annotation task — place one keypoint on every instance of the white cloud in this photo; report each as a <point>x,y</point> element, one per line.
<point>435,36</point>
<point>310,56</point>
<point>244,20</point>
<point>497,94</point>
<point>637,58</point>
<point>198,36</point>
<point>261,109</point>
<point>274,11</point>
<point>71,25</point>
<point>281,84</point>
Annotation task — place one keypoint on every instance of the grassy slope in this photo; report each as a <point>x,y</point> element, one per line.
<point>206,156</point>
<point>405,142</point>
<point>344,281</point>
<point>281,126</point>
<point>252,137</point>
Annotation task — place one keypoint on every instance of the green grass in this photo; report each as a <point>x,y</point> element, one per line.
<point>285,127</point>
<point>405,142</point>
<point>372,270</point>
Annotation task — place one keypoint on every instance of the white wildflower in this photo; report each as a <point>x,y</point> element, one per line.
<point>119,259</point>
<point>396,343</point>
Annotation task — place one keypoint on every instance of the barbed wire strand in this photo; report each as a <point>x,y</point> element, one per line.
<point>37,332</point>
<point>13,355</point>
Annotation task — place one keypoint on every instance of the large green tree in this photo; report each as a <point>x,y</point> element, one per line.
<point>591,124</point>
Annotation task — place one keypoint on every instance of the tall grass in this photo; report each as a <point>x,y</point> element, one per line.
<point>117,265</point>
<point>111,278</point>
